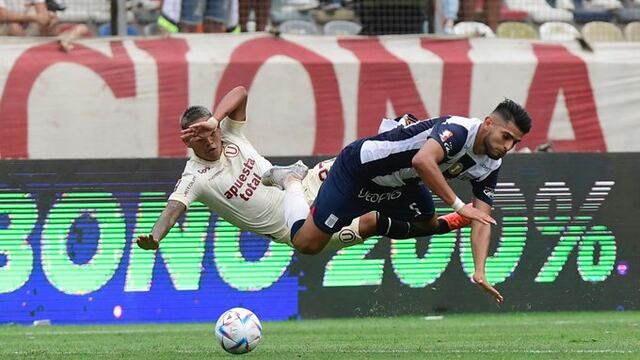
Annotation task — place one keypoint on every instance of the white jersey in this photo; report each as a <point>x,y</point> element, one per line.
<point>231,186</point>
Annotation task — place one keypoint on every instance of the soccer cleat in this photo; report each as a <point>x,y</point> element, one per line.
<point>279,176</point>
<point>455,221</point>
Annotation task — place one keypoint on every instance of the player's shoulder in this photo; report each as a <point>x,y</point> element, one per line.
<point>467,123</point>
<point>196,167</point>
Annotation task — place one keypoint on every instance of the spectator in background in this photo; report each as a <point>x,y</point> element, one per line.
<point>449,15</point>
<point>16,22</point>
<point>261,10</point>
<point>169,18</point>
<point>65,32</point>
<point>491,12</point>
<point>211,13</point>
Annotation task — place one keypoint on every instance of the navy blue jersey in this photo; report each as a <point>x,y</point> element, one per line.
<point>384,160</point>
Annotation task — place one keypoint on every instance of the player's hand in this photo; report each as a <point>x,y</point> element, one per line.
<point>474,214</point>
<point>198,131</point>
<point>147,242</point>
<point>479,278</point>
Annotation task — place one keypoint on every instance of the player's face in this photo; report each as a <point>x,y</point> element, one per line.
<point>501,137</point>
<point>208,148</point>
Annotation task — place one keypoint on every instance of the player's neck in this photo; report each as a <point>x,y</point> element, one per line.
<point>478,142</point>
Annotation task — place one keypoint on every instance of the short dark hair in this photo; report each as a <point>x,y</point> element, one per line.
<point>192,114</point>
<point>512,111</point>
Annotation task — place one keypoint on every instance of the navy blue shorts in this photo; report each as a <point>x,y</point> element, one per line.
<point>343,197</point>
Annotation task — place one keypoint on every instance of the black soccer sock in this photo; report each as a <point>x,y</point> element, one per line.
<point>443,227</point>
<point>397,229</point>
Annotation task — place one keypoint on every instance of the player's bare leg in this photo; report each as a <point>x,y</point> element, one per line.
<point>309,239</point>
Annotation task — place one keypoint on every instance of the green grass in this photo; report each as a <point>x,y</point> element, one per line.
<point>601,335</point>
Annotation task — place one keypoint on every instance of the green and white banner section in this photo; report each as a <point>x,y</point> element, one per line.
<point>565,240</point>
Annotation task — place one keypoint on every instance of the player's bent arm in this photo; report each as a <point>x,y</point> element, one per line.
<point>426,164</point>
<point>233,105</point>
<point>167,219</point>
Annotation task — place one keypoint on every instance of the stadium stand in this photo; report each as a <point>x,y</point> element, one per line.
<point>558,31</point>
<point>341,27</point>
<point>473,29</point>
<point>599,31</point>
<point>632,31</point>
<point>516,30</point>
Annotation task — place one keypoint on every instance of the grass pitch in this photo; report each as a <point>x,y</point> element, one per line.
<point>593,335</point>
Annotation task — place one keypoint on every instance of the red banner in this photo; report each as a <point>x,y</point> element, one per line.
<point>308,95</point>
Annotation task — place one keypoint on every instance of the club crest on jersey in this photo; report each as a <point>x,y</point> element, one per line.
<point>446,135</point>
<point>231,150</point>
<point>456,168</point>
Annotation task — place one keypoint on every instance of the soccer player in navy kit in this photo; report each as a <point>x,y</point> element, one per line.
<point>394,173</point>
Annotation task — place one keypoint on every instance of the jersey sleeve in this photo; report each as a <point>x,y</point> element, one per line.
<point>232,128</point>
<point>484,189</point>
<point>451,137</point>
<point>186,190</point>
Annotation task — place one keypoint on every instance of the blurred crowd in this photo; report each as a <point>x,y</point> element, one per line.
<point>70,19</point>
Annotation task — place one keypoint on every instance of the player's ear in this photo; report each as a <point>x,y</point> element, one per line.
<point>186,143</point>
<point>488,120</point>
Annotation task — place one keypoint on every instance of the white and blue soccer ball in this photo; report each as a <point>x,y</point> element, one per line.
<point>238,330</point>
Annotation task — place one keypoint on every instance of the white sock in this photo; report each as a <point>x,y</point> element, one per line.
<point>295,204</point>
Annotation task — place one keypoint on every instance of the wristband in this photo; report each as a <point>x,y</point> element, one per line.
<point>457,204</point>
<point>214,122</point>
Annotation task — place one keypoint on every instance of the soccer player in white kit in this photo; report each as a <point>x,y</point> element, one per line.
<point>225,174</point>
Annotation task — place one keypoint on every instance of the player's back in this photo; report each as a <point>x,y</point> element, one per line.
<point>386,159</point>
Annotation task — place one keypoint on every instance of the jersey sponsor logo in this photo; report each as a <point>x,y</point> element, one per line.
<point>347,236</point>
<point>204,170</point>
<point>246,183</point>
<point>374,197</point>
<point>456,168</point>
<point>231,150</point>
<point>445,135</point>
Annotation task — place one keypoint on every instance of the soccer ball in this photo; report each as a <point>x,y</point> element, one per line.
<point>238,330</point>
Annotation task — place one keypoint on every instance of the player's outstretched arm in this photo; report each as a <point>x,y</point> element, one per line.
<point>165,222</point>
<point>480,239</point>
<point>426,164</point>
